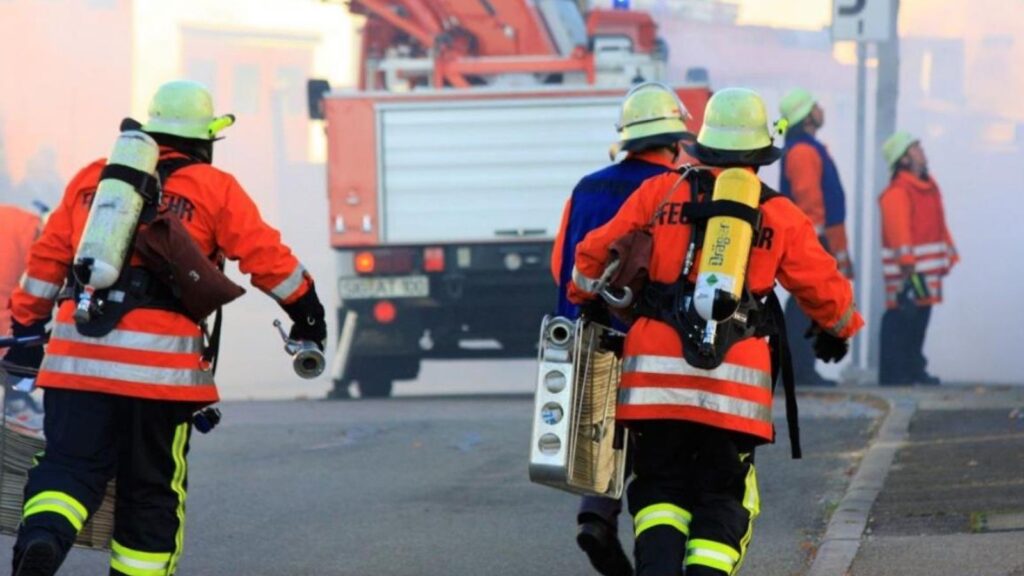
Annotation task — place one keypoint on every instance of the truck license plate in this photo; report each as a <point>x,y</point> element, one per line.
<point>393,287</point>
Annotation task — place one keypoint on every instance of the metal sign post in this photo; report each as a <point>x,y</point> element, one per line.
<point>861,21</point>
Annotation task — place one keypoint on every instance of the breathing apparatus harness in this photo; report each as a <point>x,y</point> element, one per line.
<point>757,316</point>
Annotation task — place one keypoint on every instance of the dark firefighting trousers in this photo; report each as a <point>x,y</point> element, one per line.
<point>92,438</point>
<point>901,357</point>
<point>694,498</point>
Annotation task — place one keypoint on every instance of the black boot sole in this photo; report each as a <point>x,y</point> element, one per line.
<point>39,559</point>
<point>605,553</point>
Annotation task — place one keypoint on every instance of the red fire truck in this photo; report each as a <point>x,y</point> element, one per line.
<point>449,168</point>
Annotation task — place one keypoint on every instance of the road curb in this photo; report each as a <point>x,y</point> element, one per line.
<point>842,537</point>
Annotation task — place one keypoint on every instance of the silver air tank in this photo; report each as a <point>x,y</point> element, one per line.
<point>113,217</point>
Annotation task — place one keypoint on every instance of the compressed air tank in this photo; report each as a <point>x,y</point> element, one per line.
<point>115,211</point>
<point>726,249</point>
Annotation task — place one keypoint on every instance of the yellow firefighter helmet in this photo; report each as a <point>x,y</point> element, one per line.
<point>652,114</point>
<point>185,108</point>
<point>796,105</point>
<point>896,146</point>
<point>735,131</point>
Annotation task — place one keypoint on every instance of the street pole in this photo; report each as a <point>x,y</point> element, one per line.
<point>886,106</point>
<point>861,282</point>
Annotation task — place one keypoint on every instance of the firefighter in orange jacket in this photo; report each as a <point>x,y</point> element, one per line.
<point>695,419</point>
<point>810,178</point>
<point>917,252</point>
<point>121,404</point>
<point>18,229</point>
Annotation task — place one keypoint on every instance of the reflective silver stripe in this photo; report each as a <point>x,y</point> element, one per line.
<point>289,285</point>
<point>39,288</point>
<point>126,372</point>
<point>673,366</point>
<point>696,398</point>
<point>133,340</point>
<point>931,265</point>
<point>138,564</point>
<point>585,283</point>
<point>932,248</point>
<point>844,320</point>
<point>841,255</point>
<point>901,251</point>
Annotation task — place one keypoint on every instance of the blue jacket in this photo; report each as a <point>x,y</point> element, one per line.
<point>595,200</point>
<point>833,196</point>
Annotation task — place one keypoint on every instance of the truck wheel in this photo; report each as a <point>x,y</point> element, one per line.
<point>339,391</point>
<point>375,388</point>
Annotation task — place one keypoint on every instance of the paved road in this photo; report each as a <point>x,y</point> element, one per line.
<point>431,486</point>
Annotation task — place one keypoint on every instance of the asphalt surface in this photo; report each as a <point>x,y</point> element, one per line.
<point>429,486</point>
<point>953,502</point>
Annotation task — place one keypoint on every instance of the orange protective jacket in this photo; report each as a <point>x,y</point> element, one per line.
<point>657,383</point>
<point>915,236</point>
<point>18,229</point>
<point>804,170</point>
<point>151,353</point>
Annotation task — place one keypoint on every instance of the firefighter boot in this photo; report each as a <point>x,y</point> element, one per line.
<point>39,555</point>
<point>598,539</point>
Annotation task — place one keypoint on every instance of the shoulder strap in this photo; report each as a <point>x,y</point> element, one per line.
<point>687,172</point>
<point>782,365</point>
<point>164,170</point>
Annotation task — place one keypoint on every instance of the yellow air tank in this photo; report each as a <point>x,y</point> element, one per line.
<point>727,240</point>
<point>113,217</point>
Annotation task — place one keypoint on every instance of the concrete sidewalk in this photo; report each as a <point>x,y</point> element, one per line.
<point>940,491</point>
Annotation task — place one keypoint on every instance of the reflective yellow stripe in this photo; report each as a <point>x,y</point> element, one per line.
<point>584,282</point>
<point>289,285</point>
<point>844,320</point>
<point>674,366</point>
<point>39,288</point>
<point>138,563</point>
<point>133,340</point>
<point>696,398</point>
<point>662,515</point>
<point>178,486</point>
<point>752,503</point>
<point>711,554</point>
<point>58,503</point>
<point>127,372</point>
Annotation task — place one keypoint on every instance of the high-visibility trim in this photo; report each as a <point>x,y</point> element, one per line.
<point>663,514</point>
<point>114,354</point>
<point>695,398</point>
<point>58,503</point>
<point>930,248</point>
<point>289,285</point>
<point>138,563</point>
<point>711,554</point>
<point>127,372</point>
<point>752,503</point>
<point>39,288</point>
<point>178,486</point>
<point>844,320</point>
<point>760,428</point>
<point>584,282</point>
<point>673,366</point>
<point>133,340</point>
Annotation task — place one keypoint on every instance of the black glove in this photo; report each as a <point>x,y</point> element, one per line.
<point>307,315</point>
<point>28,357</point>
<point>827,346</point>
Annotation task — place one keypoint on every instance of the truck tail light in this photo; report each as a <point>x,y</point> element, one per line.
<point>365,263</point>
<point>433,259</point>
<point>384,312</point>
